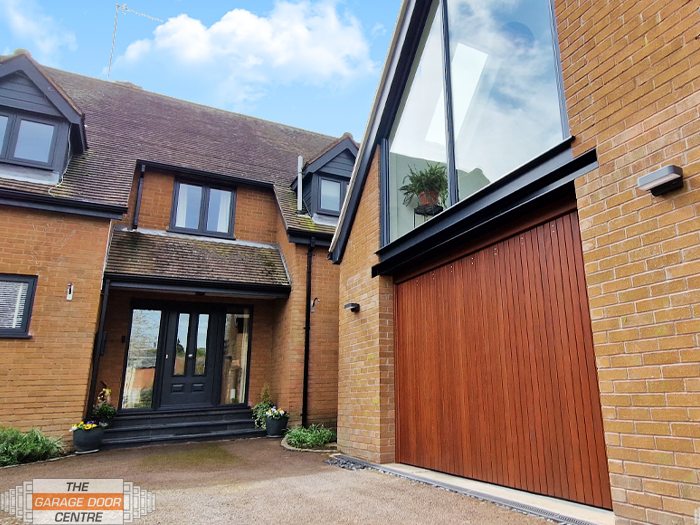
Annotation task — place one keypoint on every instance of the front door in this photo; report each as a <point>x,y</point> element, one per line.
<point>192,341</point>
<point>182,355</point>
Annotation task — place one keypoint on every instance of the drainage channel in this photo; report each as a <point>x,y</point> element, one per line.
<point>348,462</point>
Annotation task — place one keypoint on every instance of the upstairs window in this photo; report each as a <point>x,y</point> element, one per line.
<point>27,140</point>
<point>16,301</point>
<point>483,97</point>
<point>331,195</point>
<point>202,209</point>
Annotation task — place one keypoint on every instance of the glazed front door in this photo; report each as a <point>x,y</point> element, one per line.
<point>190,351</point>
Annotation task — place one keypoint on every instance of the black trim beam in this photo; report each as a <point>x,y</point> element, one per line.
<point>161,284</point>
<point>473,217</point>
<point>98,350</point>
<point>59,204</point>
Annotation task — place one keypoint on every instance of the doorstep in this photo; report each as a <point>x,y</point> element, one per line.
<point>551,508</point>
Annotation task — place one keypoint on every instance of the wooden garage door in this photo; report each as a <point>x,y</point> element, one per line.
<point>495,370</point>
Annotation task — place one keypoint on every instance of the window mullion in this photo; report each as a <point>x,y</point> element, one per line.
<point>204,209</point>
<point>452,185</point>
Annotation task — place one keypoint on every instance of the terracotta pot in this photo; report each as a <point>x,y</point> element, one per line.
<point>430,198</point>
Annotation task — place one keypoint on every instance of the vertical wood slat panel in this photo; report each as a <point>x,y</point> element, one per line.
<point>495,370</point>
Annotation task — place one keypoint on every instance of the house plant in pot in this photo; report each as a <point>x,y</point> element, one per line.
<point>428,185</point>
<point>276,422</point>
<point>87,437</point>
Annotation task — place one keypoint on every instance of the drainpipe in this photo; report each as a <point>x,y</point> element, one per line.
<point>307,330</point>
<point>300,193</point>
<point>98,350</point>
<point>137,210</point>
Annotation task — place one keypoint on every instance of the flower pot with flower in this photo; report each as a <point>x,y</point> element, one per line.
<point>276,422</point>
<point>87,437</point>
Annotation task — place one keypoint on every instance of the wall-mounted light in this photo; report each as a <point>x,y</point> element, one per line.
<point>69,292</point>
<point>313,304</point>
<point>353,307</point>
<point>662,181</point>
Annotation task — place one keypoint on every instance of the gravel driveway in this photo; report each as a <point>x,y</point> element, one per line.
<point>258,482</point>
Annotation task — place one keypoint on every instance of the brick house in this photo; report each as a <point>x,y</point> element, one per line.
<point>158,248</point>
<point>537,316</point>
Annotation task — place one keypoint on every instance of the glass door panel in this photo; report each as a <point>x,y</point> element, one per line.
<point>183,331</point>
<point>141,359</point>
<point>234,379</point>
<point>200,362</point>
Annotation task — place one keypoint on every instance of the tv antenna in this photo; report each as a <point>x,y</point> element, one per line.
<point>124,10</point>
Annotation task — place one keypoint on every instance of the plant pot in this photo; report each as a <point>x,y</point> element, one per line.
<point>276,427</point>
<point>86,441</point>
<point>430,198</point>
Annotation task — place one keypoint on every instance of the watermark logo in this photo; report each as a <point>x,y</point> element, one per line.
<point>103,501</point>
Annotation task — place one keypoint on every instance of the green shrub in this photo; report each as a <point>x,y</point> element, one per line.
<point>315,436</point>
<point>259,414</point>
<point>26,447</point>
<point>104,412</point>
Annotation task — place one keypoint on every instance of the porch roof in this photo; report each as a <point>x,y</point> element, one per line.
<point>160,255</point>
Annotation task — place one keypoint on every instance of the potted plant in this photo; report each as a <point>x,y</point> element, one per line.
<point>104,413</point>
<point>276,422</point>
<point>87,437</point>
<point>429,185</point>
<point>260,410</point>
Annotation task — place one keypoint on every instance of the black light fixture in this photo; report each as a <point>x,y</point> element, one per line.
<point>662,181</point>
<point>353,307</point>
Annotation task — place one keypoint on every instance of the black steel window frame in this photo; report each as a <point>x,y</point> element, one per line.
<point>203,210</point>
<point>56,158</point>
<point>23,331</point>
<point>343,190</point>
<point>402,75</point>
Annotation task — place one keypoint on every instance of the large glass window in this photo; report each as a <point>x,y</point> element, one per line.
<point>141,359</point>
<point>503,97</point>
<point>235,367</point>
<point>201,209</point>
<point>504,87</point>
<point>16,298</point>
<point>417,154</point>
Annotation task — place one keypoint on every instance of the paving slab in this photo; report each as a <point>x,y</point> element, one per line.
<point>256,481</point>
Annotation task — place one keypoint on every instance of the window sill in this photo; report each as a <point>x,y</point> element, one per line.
<point>15,336</point>
<point>197,233</point>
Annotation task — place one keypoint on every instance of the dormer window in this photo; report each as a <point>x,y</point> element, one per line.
<point>39,127</point>
<point>27,140</point>
<point>332,193</point>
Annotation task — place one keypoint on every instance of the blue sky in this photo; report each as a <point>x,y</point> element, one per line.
<point>313,64</point>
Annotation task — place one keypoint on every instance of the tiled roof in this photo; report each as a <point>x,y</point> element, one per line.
<point>287,200</point>
<point>126,123</point>
<point>172,256</point>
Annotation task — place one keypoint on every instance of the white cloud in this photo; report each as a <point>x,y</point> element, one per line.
<point>297,42</point>
<point>40,33</point>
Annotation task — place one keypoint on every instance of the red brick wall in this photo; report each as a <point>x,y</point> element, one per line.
<point>44,380</point>
<point>256,212</point>
<point>632,77</point>
<point>366,339</point>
